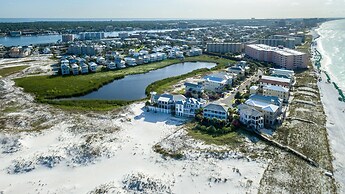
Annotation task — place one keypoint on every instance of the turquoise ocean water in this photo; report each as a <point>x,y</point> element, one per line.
<point>332,48</point>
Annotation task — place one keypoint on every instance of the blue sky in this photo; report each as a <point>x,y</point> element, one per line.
<point>194,9</point>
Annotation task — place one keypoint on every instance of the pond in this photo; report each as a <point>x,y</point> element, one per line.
<point>132,87</point>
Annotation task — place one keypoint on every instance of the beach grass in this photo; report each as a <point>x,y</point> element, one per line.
<point>11,70</point>
<point>309,138</point>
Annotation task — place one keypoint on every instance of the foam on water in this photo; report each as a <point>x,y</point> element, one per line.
<point>332,46</point>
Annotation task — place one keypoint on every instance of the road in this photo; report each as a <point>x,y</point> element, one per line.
<point>229,97</point>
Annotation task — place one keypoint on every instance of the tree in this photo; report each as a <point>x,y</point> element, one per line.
<point>238,95</point>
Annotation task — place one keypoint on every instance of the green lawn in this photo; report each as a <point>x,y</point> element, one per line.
<point>11,70</point>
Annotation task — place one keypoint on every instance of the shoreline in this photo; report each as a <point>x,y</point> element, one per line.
<point>335,114</point>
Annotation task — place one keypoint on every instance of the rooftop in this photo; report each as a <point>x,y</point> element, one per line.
<point>216,107</point>
<point>276,88</point>
<point>262,105</point>
<point>278,79</point>
<point>283,51</point>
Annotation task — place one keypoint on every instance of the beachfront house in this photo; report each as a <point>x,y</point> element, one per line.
<point>251,117</point>
<point>278,91</point>
<point>283,73</point>
<point>218,111</point>
<point>93,67</point>
<point>269,106</point>
<point>275,81</point>
<point>164,103</point>
<point>188,107</point>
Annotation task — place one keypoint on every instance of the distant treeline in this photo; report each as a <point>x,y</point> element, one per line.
<point>85,26</point>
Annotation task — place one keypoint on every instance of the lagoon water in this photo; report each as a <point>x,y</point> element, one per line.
<point>47,39</point>
<point>29,40</point>
<point>132,87</point>
<point>332,40</point>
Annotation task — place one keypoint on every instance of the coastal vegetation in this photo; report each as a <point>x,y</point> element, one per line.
<point>11,70</point>
<point>49,88</point>
<point>304,130</point>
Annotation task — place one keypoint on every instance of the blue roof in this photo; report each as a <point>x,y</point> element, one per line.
<point>215,79</point>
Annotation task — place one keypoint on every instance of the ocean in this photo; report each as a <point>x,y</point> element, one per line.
<point>332,47</point>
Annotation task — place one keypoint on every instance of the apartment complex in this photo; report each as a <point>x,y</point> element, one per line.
<point>283,57</point>
<point>225,47</point>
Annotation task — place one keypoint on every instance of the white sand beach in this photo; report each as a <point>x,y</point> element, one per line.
<point>335,111</point>
<point>110,152</point>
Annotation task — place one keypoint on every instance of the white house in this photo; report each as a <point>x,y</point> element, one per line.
<point>111,65</point>
<point>188,107</point>
<point>196,88</point>
<point>130,61</point>
<point>236,70</point>
<point>65,69</point>
<point>146,59</point>
<point>74,69</point>
<point>269,106</point>
<point>251,117</point>
<point>218,111</point>
<point>84,68</point>
<point>217,82</point>
<point>194,52</point>
<point>283,73</point>
<point>254,89</point>
<point>92,67</point>
<point>278,91</point>
<point>164,103</point>
<point>121,64</point>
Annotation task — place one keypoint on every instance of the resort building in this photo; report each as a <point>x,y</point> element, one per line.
<point>224,47</point>
<point>278,91</point>
<point>67,38</point>
<point>251,117</point>
<point>217,111</point>
<point>283,57</point>
<point>91,36</point>
<point>188,107</point>
<point>90,50</point>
